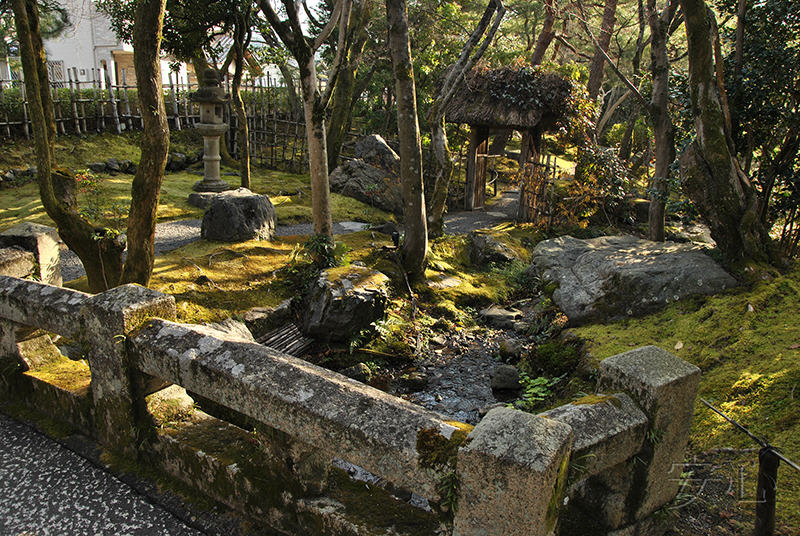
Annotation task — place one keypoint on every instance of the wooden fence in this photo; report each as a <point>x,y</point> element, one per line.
<point>277,133</point>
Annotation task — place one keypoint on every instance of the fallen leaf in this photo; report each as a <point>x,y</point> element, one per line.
<point>795,346</point>
<point>678,345</point>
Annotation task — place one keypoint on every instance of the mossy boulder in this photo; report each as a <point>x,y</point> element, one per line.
<point>344,301</point>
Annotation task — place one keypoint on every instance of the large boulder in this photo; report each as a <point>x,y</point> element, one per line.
<point>373,177</point>
<point>237,216</point>
<point>617,276</point>
<point>343,301</point>
<point>486,248</point>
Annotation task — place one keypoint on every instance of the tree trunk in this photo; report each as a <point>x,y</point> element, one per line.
<point>100,251</point>
<point>315,103</point>
<point>342,100</point>
<point>546,35</point>
<point>598,62</point>
<point>466,61</point>
<point>415,244</point>
<point>317,150</point>
<point>709,172</point>
<point>499,142</point>
<point>146,188</point>
<point>663,130</point>
<point>241,41</point>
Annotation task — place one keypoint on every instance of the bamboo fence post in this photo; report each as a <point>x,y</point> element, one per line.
<point>24,95</point>
<point>80,99</point>
<point>74,103</point>
<point>128,117</point>
<point>5,113</point>
<point>175,115</point>
<point>57,109</point>
<point>99,112</point>
<point>113,103</point>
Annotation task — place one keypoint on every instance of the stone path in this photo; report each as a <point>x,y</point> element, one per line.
<point>47,489</point>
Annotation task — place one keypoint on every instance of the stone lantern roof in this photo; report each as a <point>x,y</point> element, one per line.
<point>210,92</point>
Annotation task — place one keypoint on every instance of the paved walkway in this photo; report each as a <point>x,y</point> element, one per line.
<point>47,489</point>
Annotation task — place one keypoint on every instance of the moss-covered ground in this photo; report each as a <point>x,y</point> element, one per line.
<point>746,341</point>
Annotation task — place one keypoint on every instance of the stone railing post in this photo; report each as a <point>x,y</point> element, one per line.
<point>42,241</point>
<point>664,386</point>
<point>512,475</point>
<point>109,317</point>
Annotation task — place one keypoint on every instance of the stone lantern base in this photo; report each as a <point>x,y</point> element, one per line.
<point>211,185</point>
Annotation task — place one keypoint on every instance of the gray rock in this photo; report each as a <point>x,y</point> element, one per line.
<point>97,167</point>
<point>485,248</point>
<point>125,166</point>
<point>237,216</point>
<point>506,377</point>
<point>617,276</point>
<point>499,317</point>
<point>510,348</point>
<point>376,152</point>
<point>359,372</point>
<point>344,301</point>
<point>369,184</point>
<point>201,199</point>
<point>112,164</point>
<point>176,162</point>
<point>262,320</point>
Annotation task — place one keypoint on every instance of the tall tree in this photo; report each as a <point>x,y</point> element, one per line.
<point>454,78</point>
<point>710,172</point>
<point>315,102</point>
<point>241,41</point>
<point>345,90</point>
<point>663,130</point>
<point>146,187</point>
<point>415,244</point>
<point>100,250</point>
<point>602,43</point>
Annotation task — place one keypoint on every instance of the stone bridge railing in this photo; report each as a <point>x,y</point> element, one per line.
<point>613,455</point>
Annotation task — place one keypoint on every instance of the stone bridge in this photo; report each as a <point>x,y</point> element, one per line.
<point>610,457</point>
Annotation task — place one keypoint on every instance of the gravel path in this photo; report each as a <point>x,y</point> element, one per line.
<point>174,234</point>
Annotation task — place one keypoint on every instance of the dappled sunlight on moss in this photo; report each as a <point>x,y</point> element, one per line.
<point>747,342</point>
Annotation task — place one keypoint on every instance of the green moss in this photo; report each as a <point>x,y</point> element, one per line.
<point>597,399</point>
<point>53,428</point>
<point>64,373</point>
<point>377,508</point>
<point>553,358</point>
<point>747,343</point>
<point>436,451</point>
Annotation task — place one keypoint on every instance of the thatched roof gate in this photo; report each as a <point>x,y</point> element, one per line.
<point>502,99</point>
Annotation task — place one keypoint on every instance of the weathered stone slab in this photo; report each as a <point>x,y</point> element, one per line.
<point>512,475</point>
<point>344,301</point>
<point>664,386</point>
<point>16,262</point>
<point>617,276</point>
<point>42,241</point>
<point>358,423</point>
<point>31,303</point>
<point>608,430</point>
<point>237,216</point>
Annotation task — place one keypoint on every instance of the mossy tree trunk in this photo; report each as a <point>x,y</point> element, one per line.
<point>603,41</point>
<point>454,78</point>
<point>315,103</point>
<point>415,244</point>
<point>710,173</point>
<point>100,250</point>
<point>343,94</point>
<point>663,130</point>
<point>146,187</point>
<point>241,40</point>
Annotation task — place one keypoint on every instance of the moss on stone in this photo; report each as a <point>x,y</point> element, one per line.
<point>62,372</point>
<point>598,399</point>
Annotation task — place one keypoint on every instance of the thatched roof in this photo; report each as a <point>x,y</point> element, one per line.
<point>519,99</point>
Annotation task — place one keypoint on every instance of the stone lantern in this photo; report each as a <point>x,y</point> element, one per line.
<point>211,97</point>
